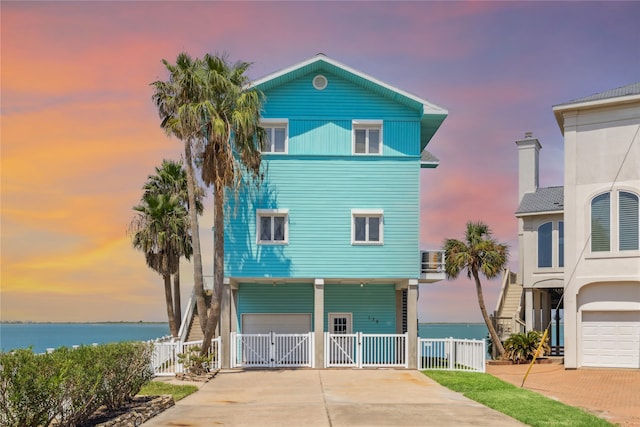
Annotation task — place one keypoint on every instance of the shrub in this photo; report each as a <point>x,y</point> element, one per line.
<point>67,386</point>
<point>521,348</point>
<point>27,383</point>
<point>127,367</point>
<point>194,363</point>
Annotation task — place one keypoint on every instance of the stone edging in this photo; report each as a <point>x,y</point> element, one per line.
<point>141,413</point>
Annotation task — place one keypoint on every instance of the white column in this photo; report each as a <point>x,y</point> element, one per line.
<point>225,323</point>
<point>528,309</point>
<point>318,321</point>
<point>412,322</point>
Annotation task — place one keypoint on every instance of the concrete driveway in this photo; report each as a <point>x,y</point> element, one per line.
<point>327,398</point>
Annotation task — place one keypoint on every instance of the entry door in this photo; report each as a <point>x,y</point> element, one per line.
<point>340,323</point>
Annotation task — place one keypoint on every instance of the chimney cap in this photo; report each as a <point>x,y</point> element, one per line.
<point>528,135</point>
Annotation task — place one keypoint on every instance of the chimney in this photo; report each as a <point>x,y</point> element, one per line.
<point>528,154</point>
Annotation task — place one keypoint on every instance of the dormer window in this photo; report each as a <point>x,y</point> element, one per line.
<point>367,136</point>
<point>277,138</point>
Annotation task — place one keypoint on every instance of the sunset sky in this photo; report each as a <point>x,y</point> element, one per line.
<point>80,134</point>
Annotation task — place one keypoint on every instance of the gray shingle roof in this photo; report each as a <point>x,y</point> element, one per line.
<point>549,199</point>
<point>428,157</point>
<point>630,89</point>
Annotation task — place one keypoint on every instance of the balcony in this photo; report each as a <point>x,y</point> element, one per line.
<point>431,266</point>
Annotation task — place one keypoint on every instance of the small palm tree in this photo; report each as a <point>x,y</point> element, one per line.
<point>520,348</point>
<point>478,253</point>
<point>171,179</point>
<point>158,230</point>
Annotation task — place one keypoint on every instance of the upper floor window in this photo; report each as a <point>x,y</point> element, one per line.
<point>545,244</point>
<point>367,137</point>
<point>601,223</point>
<point>623,207</point>
<point>628,221</point>
<point>272,226</point>
<point>277,138</point>
<point>367,227</point>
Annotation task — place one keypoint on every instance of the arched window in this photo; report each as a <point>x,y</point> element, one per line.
<point>601,223</point>
<point>628,221</point>
<point>544,244</point>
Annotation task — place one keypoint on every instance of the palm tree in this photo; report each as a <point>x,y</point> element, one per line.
<point>171,179</point>
<point>158,230</point>
<point>179,102</point>
<point>478,253</point>
<point>231,155</point>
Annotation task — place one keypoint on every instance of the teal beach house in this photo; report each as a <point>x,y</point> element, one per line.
<point>323,259</point>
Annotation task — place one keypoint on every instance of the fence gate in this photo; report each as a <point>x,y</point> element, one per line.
<point>271,350</point>
<point>365,350</point>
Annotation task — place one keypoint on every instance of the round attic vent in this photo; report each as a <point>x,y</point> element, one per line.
<point>320,82</point>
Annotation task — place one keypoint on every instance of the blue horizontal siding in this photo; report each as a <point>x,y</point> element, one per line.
<point>334,137</point>
<point>373,307</point>
<point>319,194</point>
<point>340,100</point>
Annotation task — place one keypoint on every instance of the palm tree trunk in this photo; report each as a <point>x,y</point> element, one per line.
<point>177,307</point>
<point>218,262</point>
<point>169,302</point>
<point>497,344</point>
<point>198,281</point>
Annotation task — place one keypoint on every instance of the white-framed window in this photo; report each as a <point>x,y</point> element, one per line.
<point>549,234</point>
<point>367,226</point>
<point>340,323</point>
<point>615,218</point>
<point>367,136</point>
<point>272,226</point>
<point>277,140</point>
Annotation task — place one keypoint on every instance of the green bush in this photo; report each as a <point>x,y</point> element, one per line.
<point>520,348</point>
<point>28,383</point>
<point>67,386</point>
<point>127,368</point>
<point>194,363</point>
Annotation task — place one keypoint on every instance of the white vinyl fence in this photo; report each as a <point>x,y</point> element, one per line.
<point>451,354</point>
<point>165,361</point>
<point>365,350</point>
<point>272,350</point>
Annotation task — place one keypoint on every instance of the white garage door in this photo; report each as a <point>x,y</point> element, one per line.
<point>290,323</point>
<point>611,339</point>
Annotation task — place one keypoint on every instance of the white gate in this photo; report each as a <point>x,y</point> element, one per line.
<point>272,350</point>
<point>451,354</point>
<point>365,350</point>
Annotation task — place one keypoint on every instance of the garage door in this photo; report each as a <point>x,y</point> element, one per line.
<point>611,339</point>
<point>290,323</point>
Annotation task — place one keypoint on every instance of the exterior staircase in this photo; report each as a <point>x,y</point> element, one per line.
<point>507,317</point>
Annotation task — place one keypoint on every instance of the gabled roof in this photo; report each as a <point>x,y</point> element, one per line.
<point>432,115</point>
<point>543,200</point>
<point>619,95</point>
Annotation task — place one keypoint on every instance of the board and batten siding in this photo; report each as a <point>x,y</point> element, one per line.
<point>319,194</point>
<point>373,307</point>
<point>281,298</point>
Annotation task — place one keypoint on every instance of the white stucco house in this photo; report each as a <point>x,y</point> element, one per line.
<point>579,243</point>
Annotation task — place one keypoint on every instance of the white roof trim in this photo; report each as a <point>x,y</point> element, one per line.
<point>426,105</point>
<point>521,214</point>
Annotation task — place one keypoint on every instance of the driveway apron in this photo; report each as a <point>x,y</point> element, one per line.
<point>327,398</point>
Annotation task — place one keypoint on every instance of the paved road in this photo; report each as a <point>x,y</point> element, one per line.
<point>327,398</point>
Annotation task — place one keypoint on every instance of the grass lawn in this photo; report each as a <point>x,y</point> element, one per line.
<point>154,388</point>
<point>524,405</point>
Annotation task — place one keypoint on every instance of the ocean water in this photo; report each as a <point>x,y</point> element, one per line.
<point>41,336</point>
<point>470,331</point>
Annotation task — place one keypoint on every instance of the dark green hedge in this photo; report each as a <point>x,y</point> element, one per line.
<point>69,385</point>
